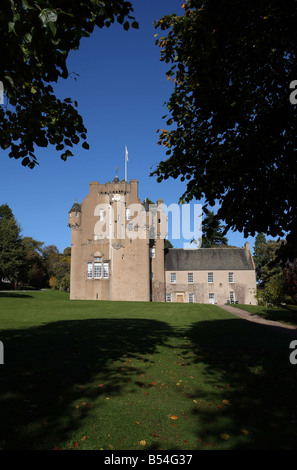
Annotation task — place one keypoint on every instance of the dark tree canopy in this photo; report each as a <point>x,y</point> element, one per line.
<point>36,37</point>
<point>231,127</point>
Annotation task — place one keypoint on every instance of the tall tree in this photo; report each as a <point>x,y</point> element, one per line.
<point>11,248</point>
<point>270,273</point>
<point>212,231</point>
<point>36,37</point>
<point>290,280</point>
<point>259,253</point>
<point>231,127</point>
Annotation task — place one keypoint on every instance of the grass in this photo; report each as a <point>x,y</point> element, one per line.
<point>127,376</point>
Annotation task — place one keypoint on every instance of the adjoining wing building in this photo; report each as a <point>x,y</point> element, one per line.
<point>117,253</point>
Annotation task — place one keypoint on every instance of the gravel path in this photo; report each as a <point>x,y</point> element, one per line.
<point>289,329</point>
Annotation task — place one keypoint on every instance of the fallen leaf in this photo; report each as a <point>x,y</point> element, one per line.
<point>75,444</point>
<point>84,438</point>
<point>142,442</point>
<point>137,422</point>
<point>244,431</point>
<point>173,417</point>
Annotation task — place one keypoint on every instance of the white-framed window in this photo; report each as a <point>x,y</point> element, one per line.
<point>168,297</point>
<point>231,277</point>
<point>210,277</point>
<point>232,297</point>
<point>97,270</point>
<point>105,270</point>
<point>94,269</point>
<point>128,214</point>
<point>89,270</point>
<point>173,278</point>
<point>191,298</point>
<point>211,298</point>
<point>101,214</point>
<point>190,278</point>
<point>152,252</point>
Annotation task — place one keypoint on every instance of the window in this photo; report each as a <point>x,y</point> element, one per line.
<point>105,270</point>
<point>190,278</point>
<point>89,270</point>
<point>128,214</point>
<point>97,270</point>
<point>152,252</point>
<point>191,298</point>
<point>168,297</point>
<point>231,277</point>
<point>232,297</point>
<point>173,278</point>
<point>211,298</point>
<point>101,214</point>
<point>210,277</point>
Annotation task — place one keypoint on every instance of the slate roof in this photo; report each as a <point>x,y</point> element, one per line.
<point>75,208</point>
<point>210,259</point>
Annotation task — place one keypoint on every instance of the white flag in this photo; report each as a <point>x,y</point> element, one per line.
<point>126,154</point>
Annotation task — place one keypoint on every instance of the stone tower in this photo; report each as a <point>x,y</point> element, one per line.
<point>117,245</point>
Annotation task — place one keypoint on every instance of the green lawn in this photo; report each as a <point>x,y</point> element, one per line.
<point>126,376</point>
<point>281,314</point>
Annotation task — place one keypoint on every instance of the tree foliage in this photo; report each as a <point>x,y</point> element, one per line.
<point>232,127</point>
<point>259,253</point>
<point>11,248</point>
<point>33,272</point>
<point>26,262</point>
<point>57,267</point>
<point>212,231</point>
<point>36,37</point>
<point>290,280</point>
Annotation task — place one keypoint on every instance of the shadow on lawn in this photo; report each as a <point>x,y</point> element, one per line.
<point>248,395</point>
<point>16,295</point>
<point>288,314</point>
<point>50,367</point>
<point>251,398</point>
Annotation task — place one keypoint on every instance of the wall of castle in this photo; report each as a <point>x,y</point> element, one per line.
<point>200,290</point>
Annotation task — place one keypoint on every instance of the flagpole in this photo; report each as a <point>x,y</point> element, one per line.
<point>126,159</point>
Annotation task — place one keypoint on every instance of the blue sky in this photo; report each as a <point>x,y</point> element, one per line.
<point>121,90</point>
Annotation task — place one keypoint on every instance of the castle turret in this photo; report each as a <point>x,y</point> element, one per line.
<point>74,216</point>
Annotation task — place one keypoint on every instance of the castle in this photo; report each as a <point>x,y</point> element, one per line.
<point>117,253</point>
